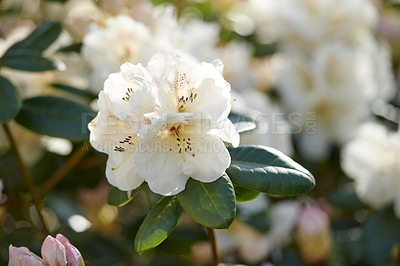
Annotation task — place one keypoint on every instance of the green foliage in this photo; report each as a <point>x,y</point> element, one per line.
<point>242,122</point>
<point>210,204</point>
<point>75,47</point>
<point>39,40</point>
<point>120,198</point>
<point>158,224</point>
<point>245,194</point>
<point>345,198</point>
<point>26,55</point>
<point>56,117</point>
<point>10,102</point>
<point>27,60</point>
<point>268,170</point>
<point>381,233</point>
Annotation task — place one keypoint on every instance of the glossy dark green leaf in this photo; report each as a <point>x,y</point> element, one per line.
<point>346,198</point>
<point>56,117</point>
<point>10,102</point>
<point>242,122</point>
<point>75,47</point>
<point>245,194</point>
<point>210,204</point>
<point>268,170</point>
<point>119,198</point>
<point>158,224</point>
<point>40,39</point>
<point>27,60</point>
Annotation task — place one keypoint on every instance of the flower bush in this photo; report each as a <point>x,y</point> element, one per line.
<point>165,132</point>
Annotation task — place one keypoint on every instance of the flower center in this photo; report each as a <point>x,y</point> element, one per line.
<point>128,95</point>
<point>183,144</point>
<point>184,91</point>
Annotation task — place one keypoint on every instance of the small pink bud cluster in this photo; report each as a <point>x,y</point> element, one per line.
<point>55,251</point>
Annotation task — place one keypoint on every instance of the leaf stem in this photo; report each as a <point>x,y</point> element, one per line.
<point>72,161</point>
<point>26,178</point>
<point>213,242</point>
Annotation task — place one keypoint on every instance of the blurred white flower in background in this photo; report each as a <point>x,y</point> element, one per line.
<point>237,59</point>
<point>106,48</point>
<point>372,160</point>
<point>272,128</point>
<point>334,69</point>
<point>263,13</point>
<point>122,39</point>
<point>309,24</point>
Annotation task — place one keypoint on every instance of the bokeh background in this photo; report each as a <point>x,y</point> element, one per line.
<point>319,78</point>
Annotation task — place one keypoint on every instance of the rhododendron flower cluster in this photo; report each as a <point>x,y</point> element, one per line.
<point>164,123</point>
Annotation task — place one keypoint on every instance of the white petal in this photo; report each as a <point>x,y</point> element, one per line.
<point>162,171</point>
<point>218,65</point>
<point>21,256</point>
<point>53,252</point>
<point>213,97</point>
<point>121,171</point>
<point>130,91</point>
<point>229,133</point>
<point>161,63</point>
<point>116,87</point>
<point>108,132</point>
<point>210,160</point>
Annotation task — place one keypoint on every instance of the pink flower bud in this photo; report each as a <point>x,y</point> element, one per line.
<point>53,252</point>
<point>23,257</point>
<point>74,257</point>
<point>313,234</point>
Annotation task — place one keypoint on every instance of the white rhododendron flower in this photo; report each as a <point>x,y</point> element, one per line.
<point>180,146</point>
<point>106,48</point>
<point>116,138</point>
<point>163,124</point>
<point>123,39</point>
<point>372,160</point>
<point>309,23</point>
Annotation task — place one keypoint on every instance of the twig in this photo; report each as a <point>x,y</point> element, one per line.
<point>26,178</point>
<point>72,161</point>
<point>211,238</point>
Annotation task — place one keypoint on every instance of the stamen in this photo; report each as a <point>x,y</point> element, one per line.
<point>123,160</point>
<point>128,94</point>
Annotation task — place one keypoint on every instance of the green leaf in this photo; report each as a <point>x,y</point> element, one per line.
<point>242,122</point>
<point>158,224</point>
<point>380,233</point>
<point>75,47</point>
<point>346,199</point>
<point>56,117</point>
<point>27,60</point>
<point>210,204</point>
<point>245,194</point>
<point>10,102</point>
<point>41,38</point>
<point>268,170</point>
<point>119,198</point>
<point>72,90</point>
